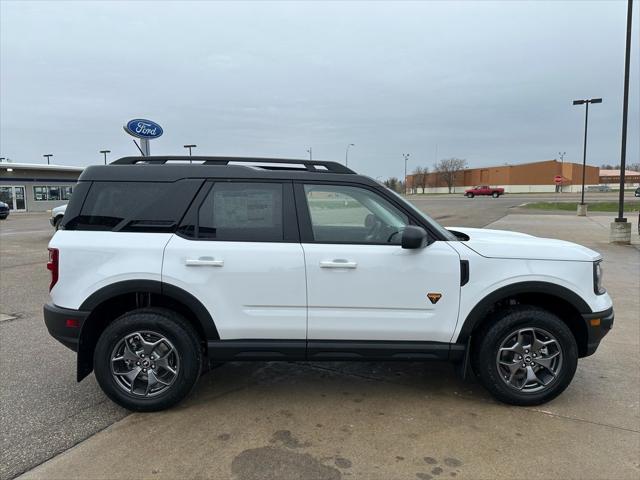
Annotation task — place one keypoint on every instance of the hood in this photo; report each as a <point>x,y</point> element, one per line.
<point>506,244</point>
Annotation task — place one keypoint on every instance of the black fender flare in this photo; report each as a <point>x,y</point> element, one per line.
<point>88,334</point>
<point>481,309</point>
<point>161,288</point>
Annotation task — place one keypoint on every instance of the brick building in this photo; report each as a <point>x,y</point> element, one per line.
<point>524,177</point>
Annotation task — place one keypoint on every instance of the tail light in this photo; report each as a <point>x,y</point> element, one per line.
<point>52,266</point>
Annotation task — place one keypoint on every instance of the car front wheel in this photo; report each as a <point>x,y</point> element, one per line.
<point>469,195</point>
<point>495,194</point>
<point>148,359</point>
<point>526,356</point>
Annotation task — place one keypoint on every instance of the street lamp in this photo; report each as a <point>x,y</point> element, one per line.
<point>562,154</point>
<point>48,156</point>
<point>584,148</point>
<point>310,152</point>
<point>190,147</point>
<point>104,152</point>
<point>346,155</point>
<point>406,159</point>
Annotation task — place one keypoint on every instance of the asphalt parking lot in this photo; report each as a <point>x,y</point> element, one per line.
<point>321,420</point>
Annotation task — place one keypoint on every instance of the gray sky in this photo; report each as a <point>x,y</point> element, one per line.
<point>491,82</point>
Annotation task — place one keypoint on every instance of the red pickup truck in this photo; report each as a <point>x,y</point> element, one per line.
<point>495,192</point>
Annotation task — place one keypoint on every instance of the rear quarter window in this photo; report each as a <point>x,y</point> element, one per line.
<point>134,206</point>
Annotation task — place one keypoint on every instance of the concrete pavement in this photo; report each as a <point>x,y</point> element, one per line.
<point>393,420</point>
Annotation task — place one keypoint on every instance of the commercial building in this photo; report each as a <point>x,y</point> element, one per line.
<point>524,177</point>
<point>29,187</point>
<point>612,178</point>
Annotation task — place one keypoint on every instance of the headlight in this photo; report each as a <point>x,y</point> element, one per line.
<point>597,278</point>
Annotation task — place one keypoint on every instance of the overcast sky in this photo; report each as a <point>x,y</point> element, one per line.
<point>491,82</point>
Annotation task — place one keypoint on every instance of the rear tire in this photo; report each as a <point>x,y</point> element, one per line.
<point>148,359</point>
<point>56,223</point>
<point>526,356</point>
<point>495,194</point>
<point>470,195</point>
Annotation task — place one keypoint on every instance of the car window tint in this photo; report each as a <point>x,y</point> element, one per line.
<point>134,206</point>
<point>346,214</point>
<point>242,211</point>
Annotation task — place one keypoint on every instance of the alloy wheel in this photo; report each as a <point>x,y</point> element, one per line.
<point>144,363</point>
<point>529,359</point>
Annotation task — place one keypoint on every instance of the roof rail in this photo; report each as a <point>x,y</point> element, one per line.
<point>276,163</point>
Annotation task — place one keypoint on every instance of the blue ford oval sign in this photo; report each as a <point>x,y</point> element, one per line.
<point>142,128</point>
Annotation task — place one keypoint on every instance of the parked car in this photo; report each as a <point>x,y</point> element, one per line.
<point>598,188</point>
<point>637,192</point>
<point>257,259</point>
<point>495,192</point>
<point>57,214</point>
<point>4,210</point>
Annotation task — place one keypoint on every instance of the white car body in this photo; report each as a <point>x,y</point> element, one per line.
<point>263,290</point>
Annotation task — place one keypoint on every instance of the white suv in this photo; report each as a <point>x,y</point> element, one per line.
<point>164,265</point>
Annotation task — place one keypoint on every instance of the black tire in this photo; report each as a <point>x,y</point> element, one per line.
<point>56,223</point>
<point>488,341</point>
<point>470,195</point>
<point>495,194</point>
<point>176,330</point>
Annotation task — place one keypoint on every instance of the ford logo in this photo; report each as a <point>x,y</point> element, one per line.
<point>142,128</point>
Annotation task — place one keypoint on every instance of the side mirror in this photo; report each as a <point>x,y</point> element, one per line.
<point>414,237</point>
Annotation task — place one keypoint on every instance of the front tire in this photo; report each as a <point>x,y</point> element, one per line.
<point>527,356</point>
<point>495,194</point>
<point>148,359</point>
<point>470,195</point>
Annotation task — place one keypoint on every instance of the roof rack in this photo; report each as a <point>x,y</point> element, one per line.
<point>265,163</point>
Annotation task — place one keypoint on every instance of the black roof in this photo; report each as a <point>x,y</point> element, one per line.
<point>172,168</point>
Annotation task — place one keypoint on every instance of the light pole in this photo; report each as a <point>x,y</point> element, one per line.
<point>48,156</point>
<point>310,152</point>
<point>625,109</point>
<point>346,154</point>
<point>104,152</point>
<point>406,159</point>
<point>190,147</point>
<point>562,154</point>
<point>582,210</point>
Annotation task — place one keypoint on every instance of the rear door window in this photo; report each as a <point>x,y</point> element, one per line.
<point>242,211</point>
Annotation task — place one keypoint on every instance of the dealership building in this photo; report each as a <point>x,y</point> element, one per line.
<point>30,187</point>
<point>521,178</point>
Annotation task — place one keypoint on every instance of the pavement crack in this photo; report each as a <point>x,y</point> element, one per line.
<point>558,415</point>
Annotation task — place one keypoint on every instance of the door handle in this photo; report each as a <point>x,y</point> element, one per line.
<point>338,263</point>
<point>204,262</point>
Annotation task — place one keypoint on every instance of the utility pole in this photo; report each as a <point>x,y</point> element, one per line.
<point>310,151</point>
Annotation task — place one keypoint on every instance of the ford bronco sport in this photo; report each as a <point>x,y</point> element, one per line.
<point>165,265</point>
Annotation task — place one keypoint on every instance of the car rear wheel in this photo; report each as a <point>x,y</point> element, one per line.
<point>495,194</point>
<point>470,195</point>
<point>527,356</point>
<point>148,359</point>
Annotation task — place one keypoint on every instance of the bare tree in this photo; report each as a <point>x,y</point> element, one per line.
<point>419,178</point>
<point>394,184</point>
<point>448,168</point>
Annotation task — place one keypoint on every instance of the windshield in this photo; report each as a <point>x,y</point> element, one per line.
<point>435,225</point>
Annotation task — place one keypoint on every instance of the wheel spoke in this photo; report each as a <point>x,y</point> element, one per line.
<point>546,361</point>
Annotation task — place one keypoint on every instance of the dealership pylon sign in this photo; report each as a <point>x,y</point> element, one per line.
<point>145,130</point>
